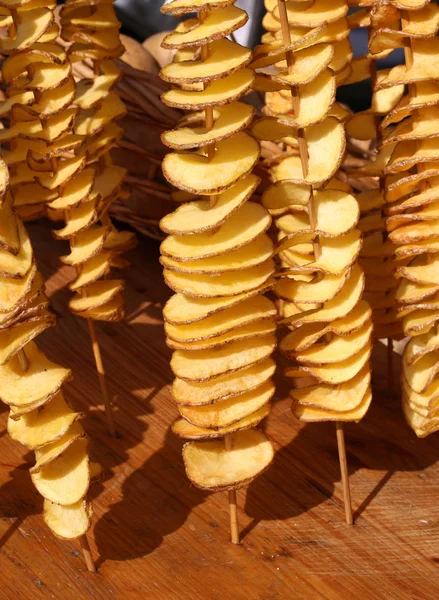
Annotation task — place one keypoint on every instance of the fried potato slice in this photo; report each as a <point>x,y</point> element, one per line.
<point>235,157</point>
<point>225,57</point>
<point>13,292</point>
<point>308,64</point>
<point>341,398</point>
<point>70,521</point>
<point>14,338</point>
<point>98,294</point>
<point>65,480</point>
<point>338,306</point>
<point>423,269</point>
<point>420,375</point>
<point>92,270</point>
<point>316,291</point>
<point>230,236</point>
<point>216,93</point>
<point>321,11</point>
<point>17,266</point>
<point>198,216</point>
<point>191,393</point>
<point>181,7</point>
<point>337,350</point>
<point>85,245</point>
<point>250,255</point>
<point>51,451</point>
<point>227,412</point>
<point>247,311</point>
<point>75,192</point>
<point>421,345</point>
<point>90,92</point>
<point>232,118</point>
<point>29,29</point>
<point>42,380</point>
<point>313,415</point>
<point>427,400</point>
<point>80,218</point>
<point>424,68</point>
<point>326,146</point>
<point>43,425</point>
<point>422,426</point>
<point>203,365</point>
<point>187,430</point>
<point>217,24</point>
<point>209,466</point>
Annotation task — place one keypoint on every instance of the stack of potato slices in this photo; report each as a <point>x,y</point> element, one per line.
<point>31,385</point>
<point>217,256</point>
<point>410,139</point>
<point>321,282</point>
<point>376,256</point>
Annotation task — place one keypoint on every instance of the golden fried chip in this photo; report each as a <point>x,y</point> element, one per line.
<point>312,415</point>
<point>68,522</point>
<point>308,64</point>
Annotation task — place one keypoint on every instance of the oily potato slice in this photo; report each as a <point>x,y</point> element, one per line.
<point>42,380</point>
<point>43,425</point>
<point>427,400</point>
<point>421,345</point>
<point>80,218</point>
<point>31,26</point>
<point>313,415</point>
<point>234,158</point>
<point>336,350</point>
<point>180,309</point>
<point>69,521</point>
<point>12,339</point>
<point>187,430</point>
<point>317,291</point>
<point>66,479</point>
<point>85,245</point>
<point>217,24</point>
<point>198,216</point>
<point>14,291</point>
<point>420,375</point>
<point>308,64</point>
<point>421,425</point>
<point>192,393</point>
<point>326,146</point>
<point>225,57</point>
<point>203,365</point>
<point>238,315</point>
<point>250,255</point>
<point>75,192</point>
<point>181,7</point>
<point>209,466</point>
<point>17,266</point>
<point>321,11</point>
<point>232,118</point>
<point>92,270</point>
<point>424,68</point>
<point>283,194</point>
<point>216,93</point>
<point>98,294</point>
<point>230,236</point>
<point>252,330</point>
<point>225,284</point>
<point>227,412</point>
<point>51,451</point>
<point>341,398</point>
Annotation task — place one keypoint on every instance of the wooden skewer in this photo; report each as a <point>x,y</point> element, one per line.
<point>208,112</point>
<point>86,552</point>
<point>304,159</point>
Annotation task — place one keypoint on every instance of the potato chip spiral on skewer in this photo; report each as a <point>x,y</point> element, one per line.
<point>320,283</point>
<point>217,257</point>
<point>410,133</point>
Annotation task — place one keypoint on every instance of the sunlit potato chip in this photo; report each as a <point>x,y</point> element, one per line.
<point>209,466</point>
<point>263,83</point>
<point>14,338</point>
<point>362,126</point>
<point>16,64</point>
<point>415,232</point>
<point>232,118</point>
<point>420,321</point>
<point>308,64</point>
<point>318,291</point>
<point>224,58</point>
<point>180,309</point>
<point>89,122</point>
<point>422,426</point>
<point>16,266</point>
<point>370,200</point>
<point>312,415</point>
<point>85,245</point>
<point>51,451</point>
<point>321,11</point>
<point>66,479</point>
<point>92,270</point>
<point>42,380</point>
<point>66,171</point>
<point>207,364</point>
<point>235,157</point>
<point>250,255</point>
<point>75,192</point>
<point>68,522</point>
<point>31,26</point>
<point>410,153</point>
<point>337,255</point>
<point>228,412</point>
<point>420,375</point>
<point>427,400</point>
<point>423,269</point>
<point>428,212</point>
<point>336,350</point>
<point>198,216</point>
<point>426,95</point>
<point>225,284</point>
<point>424,68</point>
<point>44,425</point>
<point>326,146</point>
<point>216,93</point>
<point>271,129</point>
<point>98,294</point>
<point>338,306</point>
<point>181,7</point>
<point>230,236</point>
<point>90,93</point>
<point>187,430</point>
<point>217,24</point>
<point>80,218</point>
<point>420,345</point>
<point>13,292</point>
<point>344,397</point>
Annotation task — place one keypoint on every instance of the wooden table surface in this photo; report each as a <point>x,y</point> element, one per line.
<point>154,536</point>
